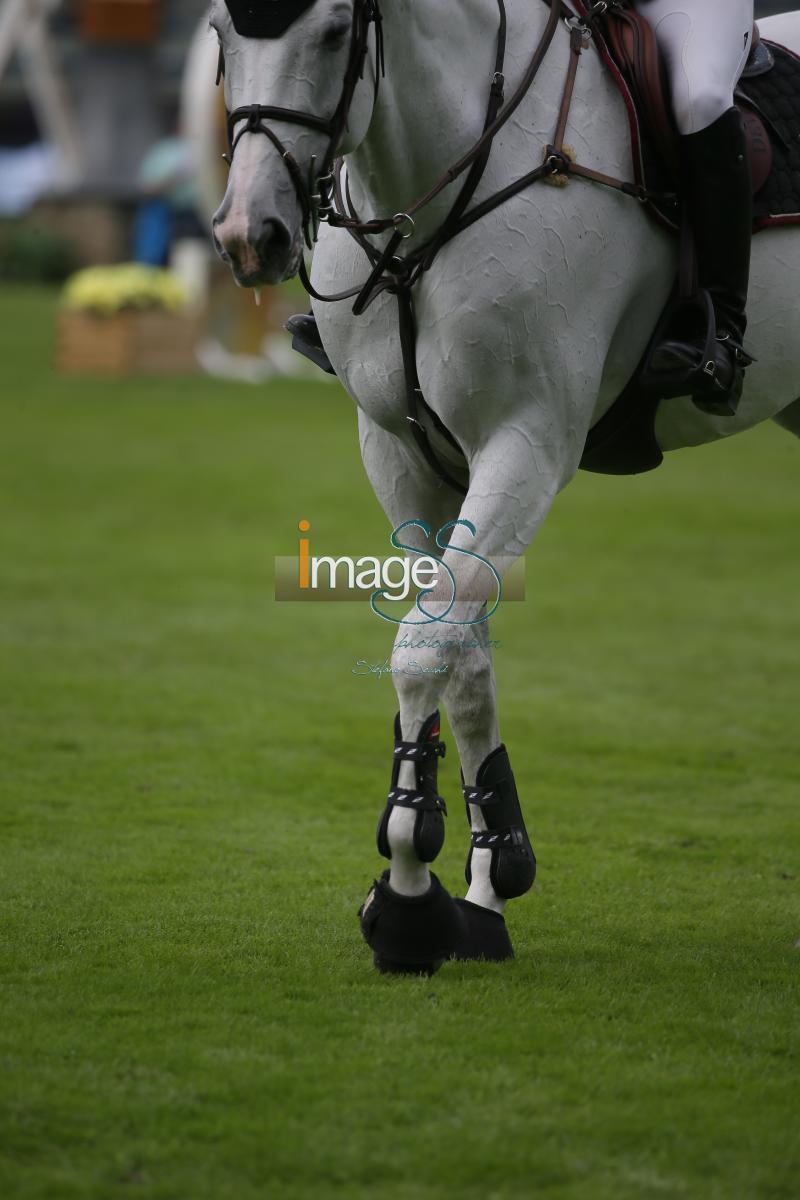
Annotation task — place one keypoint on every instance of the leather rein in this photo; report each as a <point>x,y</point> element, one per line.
<point>322,195</point>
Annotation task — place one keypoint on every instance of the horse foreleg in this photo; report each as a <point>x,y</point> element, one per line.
<point>513,481</point>
<point>494,876</point>
<point>408,919</point>
<point>471,703</point>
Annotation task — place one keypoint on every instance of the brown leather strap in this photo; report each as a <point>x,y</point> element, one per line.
<point>632,42</point>
<point>399,274</point>
<point>575,51</point>
<point>414,398</point>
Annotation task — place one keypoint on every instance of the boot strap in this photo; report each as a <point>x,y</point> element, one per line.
<point>498,839</point>
<point>480,797</point>
<point>421,801</point>
<point>742,357</point>
<point>419,751</point>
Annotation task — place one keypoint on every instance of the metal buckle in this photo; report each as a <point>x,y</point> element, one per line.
<point>319,197</point>
<point>579,23</point>
<point>557,162</point>
<point>398,220</point>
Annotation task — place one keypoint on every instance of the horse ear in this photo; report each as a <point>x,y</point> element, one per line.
<point>220,66</point>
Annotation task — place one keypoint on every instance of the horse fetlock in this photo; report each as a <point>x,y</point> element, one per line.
<point>413,820</point>
<point>499,836</point>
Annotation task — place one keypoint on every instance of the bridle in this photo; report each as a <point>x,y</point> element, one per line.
<point>324,195</point>
<point>315,189</point>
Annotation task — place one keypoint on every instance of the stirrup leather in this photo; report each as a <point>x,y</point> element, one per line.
<point>423,798</point>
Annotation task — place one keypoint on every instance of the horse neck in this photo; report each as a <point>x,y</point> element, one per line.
<point>431,106</point>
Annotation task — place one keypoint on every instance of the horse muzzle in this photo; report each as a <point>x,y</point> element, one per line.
<point>257,259</point>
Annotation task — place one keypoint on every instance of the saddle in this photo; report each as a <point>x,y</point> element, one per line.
<point>768,97</point>
<point>628,43</point>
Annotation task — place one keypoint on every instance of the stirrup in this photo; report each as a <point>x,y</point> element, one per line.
<point>513,866</point>
<point>718,400</point>
<point>424,798</point>
<point>306,341</point>
<point>696,374</point>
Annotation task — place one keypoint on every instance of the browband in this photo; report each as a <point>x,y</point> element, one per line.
<point>265,18</point>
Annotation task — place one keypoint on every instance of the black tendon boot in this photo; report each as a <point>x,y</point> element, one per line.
<point>424,798</point>
<point>712,362</point>
<point>513,865</point>
<point>413,934</point>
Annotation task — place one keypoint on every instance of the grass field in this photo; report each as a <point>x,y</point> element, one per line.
<point>192,775</point>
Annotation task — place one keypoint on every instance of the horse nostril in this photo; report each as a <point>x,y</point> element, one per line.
<point>274,243</point>
<point>218,246</point>
<point>258,258</point>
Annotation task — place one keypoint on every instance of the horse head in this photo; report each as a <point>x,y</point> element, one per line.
<point>300,86</point>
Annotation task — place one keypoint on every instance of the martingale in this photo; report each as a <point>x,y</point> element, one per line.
<point>265,18</point>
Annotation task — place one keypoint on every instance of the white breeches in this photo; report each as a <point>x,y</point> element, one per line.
<point>705,44</point>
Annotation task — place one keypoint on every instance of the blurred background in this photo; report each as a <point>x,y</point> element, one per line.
<point>192,771</point>
<point>110,139</point>
<point>111,132</point>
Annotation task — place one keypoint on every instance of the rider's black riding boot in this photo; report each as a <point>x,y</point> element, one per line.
<point>720,198</point>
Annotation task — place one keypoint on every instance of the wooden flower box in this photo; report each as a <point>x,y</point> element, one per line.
<point>120,22</point>
<point>126,343</point>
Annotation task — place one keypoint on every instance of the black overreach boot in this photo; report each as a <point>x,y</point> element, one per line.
<point>721,207</point>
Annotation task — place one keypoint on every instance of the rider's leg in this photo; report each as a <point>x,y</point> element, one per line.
<point>706,44</point>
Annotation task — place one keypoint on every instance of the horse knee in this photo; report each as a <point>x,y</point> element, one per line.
<point>412,685</point>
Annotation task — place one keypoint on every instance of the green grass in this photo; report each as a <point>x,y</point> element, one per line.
<point>191,778</point>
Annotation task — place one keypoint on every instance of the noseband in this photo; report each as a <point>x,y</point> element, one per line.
<point>315,190</point>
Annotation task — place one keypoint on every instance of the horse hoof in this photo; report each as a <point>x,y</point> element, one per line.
<point>410,935</point>
<point>484,934</point>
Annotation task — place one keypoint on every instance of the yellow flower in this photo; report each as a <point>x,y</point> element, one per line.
<point>108,290</point>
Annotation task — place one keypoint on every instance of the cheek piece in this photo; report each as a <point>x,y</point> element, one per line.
<point>271,19</point>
